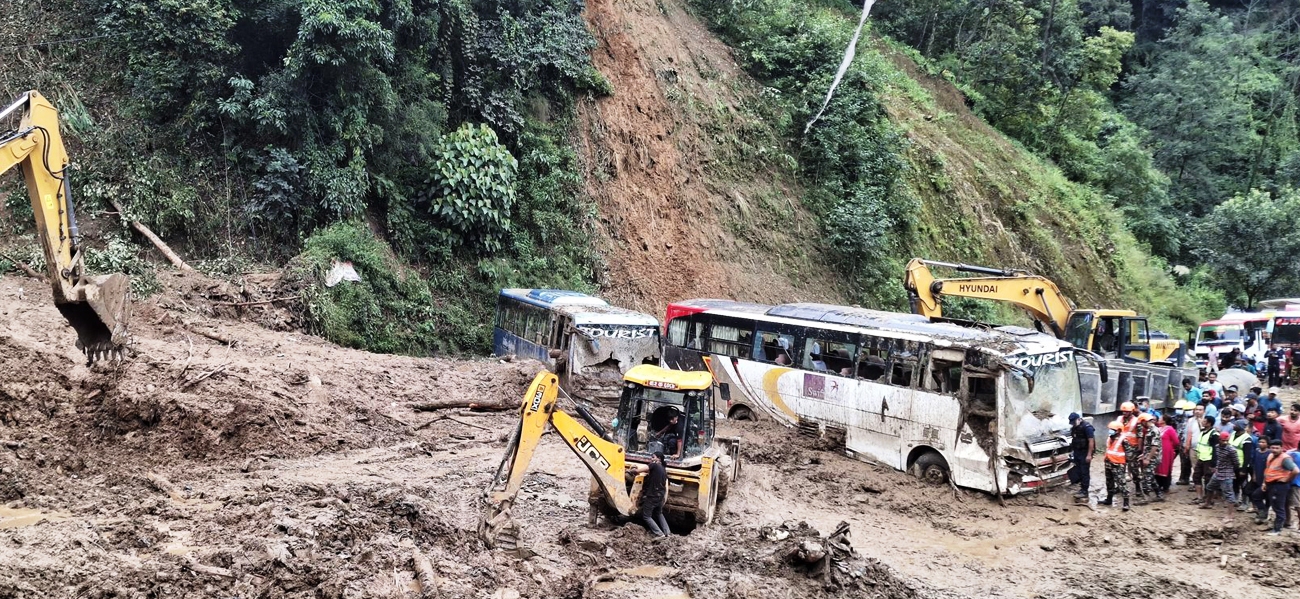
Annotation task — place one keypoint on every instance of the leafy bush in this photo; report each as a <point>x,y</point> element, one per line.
<point>471,187</point>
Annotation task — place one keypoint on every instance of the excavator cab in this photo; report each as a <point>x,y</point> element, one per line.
<point>1120,334</point>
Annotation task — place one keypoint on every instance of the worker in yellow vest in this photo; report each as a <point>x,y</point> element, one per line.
<point>1116,464</point>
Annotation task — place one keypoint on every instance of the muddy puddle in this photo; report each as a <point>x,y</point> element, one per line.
<point>20,517</point>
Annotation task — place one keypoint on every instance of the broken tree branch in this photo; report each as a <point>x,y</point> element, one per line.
<point>258,303</point>
<point>198,379</point>
<point>27,270</point>
<point>443,404</point>
<point>158,243</point>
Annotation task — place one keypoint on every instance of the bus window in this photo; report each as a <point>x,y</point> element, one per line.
<point>686,332</point>
<point>825,355</point>
<point>903,359</point>
<point>775,348</point>
<point>945,371</point>
<point>871,362</point>
<point>982,391</point>
<point>731,341</point>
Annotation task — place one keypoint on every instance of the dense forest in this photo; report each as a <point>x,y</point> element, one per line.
<point>1184,112</point>
<point>431,141</point>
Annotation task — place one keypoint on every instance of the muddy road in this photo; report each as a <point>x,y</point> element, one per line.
<point>231,460</point>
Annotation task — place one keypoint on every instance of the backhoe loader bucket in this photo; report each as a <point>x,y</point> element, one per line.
<point>99,312</point>
<point>498,529</point>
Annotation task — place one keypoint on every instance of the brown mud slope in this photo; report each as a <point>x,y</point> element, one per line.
<point>685,173</point>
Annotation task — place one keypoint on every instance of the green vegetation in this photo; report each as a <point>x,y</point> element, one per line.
<point>252,126</point>
<point>1250,244</point>
<point>1168,107</point>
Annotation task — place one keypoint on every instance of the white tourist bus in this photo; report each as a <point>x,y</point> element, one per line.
<point>986,408</point>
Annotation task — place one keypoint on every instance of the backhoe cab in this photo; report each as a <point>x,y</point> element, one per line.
<point>700,465</point>
<point>98,308</point>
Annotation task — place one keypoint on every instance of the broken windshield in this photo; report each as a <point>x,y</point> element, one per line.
<point>1040,407</point>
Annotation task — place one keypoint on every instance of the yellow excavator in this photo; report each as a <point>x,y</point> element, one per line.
<point>1120,334</point>
<point>98,308</point>
<point>659,410</point>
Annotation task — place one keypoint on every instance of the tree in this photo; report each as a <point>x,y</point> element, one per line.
<point>1249,244</point>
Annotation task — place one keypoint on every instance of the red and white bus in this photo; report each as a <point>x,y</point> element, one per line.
<point>984,407</point>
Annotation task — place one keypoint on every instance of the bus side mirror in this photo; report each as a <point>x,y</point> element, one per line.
<point>1097,359</point>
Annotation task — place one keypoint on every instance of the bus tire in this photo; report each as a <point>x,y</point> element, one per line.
<point>741,413</point>
<point>931,468</point>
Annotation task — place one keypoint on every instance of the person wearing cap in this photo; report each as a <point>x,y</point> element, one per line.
<point>1224,470</point>
<point>1204,467</point>
<point>1168,449</point>
<point>1240,440</point>
<point>654,492</point>
<point>1291,429</point>
<point>1134,447</point>
<point>1083,444</point>
<point>1271,402</point>
<point>1230,396</point>
<point>1116,468</point>
<point>1279,472</point>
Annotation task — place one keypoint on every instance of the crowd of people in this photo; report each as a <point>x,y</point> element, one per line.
<point>1238,452</point>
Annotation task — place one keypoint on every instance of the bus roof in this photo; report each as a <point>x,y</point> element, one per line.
<point>584,309</point>
<point>1237,318</point>
<point>1007,339</point>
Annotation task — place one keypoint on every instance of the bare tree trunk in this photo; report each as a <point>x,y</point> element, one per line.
<point>158,243</point>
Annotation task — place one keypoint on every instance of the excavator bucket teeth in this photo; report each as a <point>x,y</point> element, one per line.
<point>99,312</point>
<point>498,529</point>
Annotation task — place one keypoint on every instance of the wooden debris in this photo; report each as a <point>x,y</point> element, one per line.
<point>424,574</point>
<point>158,243</point>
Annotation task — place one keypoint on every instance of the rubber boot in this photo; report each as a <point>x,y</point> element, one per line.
<point>1109,501</point>
<point>1126,508</point>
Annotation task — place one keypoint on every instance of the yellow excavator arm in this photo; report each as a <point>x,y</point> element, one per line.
<point>603,458</point>
<point>96,307</point>
<point>1041,298</point>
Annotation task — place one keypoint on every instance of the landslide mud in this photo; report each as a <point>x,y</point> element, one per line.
<point>278,465</point>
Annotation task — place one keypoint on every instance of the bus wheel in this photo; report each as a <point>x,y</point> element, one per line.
<point>741,413</point>
<point>931,468</point>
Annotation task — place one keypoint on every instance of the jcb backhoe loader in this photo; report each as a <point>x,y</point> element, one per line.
<point>659,409</point>
<point>98,308</point>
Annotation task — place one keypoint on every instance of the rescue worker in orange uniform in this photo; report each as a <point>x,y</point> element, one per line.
<point>1130,426</point>
<point>1116,464</point>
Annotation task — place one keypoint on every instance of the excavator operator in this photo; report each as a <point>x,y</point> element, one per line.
<point>668,433</point>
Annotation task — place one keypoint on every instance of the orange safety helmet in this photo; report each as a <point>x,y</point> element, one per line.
<point>1145,416</point>
<point>1115,426</point>
<point>1127,407</point>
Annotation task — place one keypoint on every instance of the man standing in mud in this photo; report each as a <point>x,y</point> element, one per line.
<point>1134,446</point>
<point>1083,443</point>
<point>654,491</point>
<point>1116,470</point>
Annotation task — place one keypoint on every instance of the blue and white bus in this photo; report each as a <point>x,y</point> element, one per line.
<point>588,343</point>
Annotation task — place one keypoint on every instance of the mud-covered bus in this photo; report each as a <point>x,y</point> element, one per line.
<point>986,408</point>
<point>585,341</point>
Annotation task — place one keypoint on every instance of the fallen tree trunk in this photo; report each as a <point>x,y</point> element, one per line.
<point>158,243</point>
<point>499,405</point>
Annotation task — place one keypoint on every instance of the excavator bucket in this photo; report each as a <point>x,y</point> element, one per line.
<point>99,312</point>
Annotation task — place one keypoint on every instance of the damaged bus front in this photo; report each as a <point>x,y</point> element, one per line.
<point>585,341</point>
<point>1038,393</point>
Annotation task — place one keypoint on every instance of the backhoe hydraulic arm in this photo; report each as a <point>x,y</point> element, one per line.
<point>96,307</point>
<point>603,458</point>
<point>1041,298</point>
